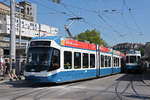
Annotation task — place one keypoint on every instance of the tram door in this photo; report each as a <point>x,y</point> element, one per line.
<point>112,63</point>
<point>97,62</point>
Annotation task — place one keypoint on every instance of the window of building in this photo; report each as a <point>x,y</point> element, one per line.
<point>17,21</point>
<point>77,60</point>
<point>92,60</point>
<point>22,22</point>
<point>22,10</point>
<point>67,60</point>
<point>28,11</point>
<point>85,60</point>
<point>102,60</point>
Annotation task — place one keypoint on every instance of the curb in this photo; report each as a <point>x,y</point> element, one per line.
<point>7,80</point>
<point>3,81</point>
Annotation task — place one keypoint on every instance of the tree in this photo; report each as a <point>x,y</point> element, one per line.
<point>92,36</point>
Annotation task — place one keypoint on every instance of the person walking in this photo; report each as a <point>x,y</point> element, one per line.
<point>13,72</point>
<point>2,72</point>
<point>8,70</point>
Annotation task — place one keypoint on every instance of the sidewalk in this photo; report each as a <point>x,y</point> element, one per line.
<point>2,80</point>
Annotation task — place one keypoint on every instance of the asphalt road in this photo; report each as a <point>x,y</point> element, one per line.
<point>115,87</point>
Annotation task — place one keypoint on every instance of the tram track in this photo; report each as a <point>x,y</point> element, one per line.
<point>102,91</point>
<point>132,82</point>
<point>131,85</point>
<point>23,94</point>
<point>135,91</point>
<point>120,94</point>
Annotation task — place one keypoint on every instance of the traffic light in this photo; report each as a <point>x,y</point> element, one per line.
<point>57,1</point>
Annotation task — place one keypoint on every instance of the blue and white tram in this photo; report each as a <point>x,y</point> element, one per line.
<point>133,61</point>
<point>54,59</point>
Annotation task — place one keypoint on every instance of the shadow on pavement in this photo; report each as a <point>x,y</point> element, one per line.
<point>134,80</point>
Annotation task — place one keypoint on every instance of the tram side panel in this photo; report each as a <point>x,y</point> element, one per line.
<point>106,68</point>
<point>116,64</point>
<point>81,67</point>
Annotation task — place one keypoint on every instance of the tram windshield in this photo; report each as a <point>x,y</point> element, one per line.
<point>132,59</point>
<point>42,59</point>
<point>38,58</point>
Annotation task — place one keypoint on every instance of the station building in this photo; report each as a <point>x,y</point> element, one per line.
<point>125,47</point>
<point>27,25</point>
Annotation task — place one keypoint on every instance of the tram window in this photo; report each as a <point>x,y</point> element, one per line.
<point>117,62</point>
<point>92,61</point>
<point>106,61</point>
<point>114,61</point>
<point>127,59</point>
<point>77,60</point>
<point>67,60</point>
<point>102,61</point>
<point>55,59</point>
<point>109,61</point>
<point>85,60</point>
<point>138,58</point>
<point>132,59</point>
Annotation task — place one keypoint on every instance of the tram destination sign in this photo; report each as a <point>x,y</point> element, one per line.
<point>40,44</point>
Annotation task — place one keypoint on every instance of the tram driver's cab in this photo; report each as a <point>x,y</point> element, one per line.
<point>42,57</point>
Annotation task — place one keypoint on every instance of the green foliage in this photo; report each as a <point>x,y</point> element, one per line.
<point>92,36</point>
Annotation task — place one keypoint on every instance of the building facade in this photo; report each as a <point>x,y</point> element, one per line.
<point>26,25</point>
<point>28,29</point>
<point>125,47</point>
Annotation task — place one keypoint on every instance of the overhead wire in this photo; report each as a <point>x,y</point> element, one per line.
<point>48,7</point>
<point>93,11</point>
<point>100,16</point>
<point>84,9</point>
<point>133,18</point>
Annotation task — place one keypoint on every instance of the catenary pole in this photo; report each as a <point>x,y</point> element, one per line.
<point>20,57</point>
<point>19,26</point>
<point>12,32</point>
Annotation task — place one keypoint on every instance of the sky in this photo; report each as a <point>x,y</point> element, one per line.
<point>118,21</point>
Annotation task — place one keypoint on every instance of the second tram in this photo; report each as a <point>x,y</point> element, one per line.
<point>133,61</point>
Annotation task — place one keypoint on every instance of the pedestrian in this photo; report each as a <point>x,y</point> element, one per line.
<point>23,66</point>
<point>13,71</point>
<point>2,70</point>
<point>8,70</point>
